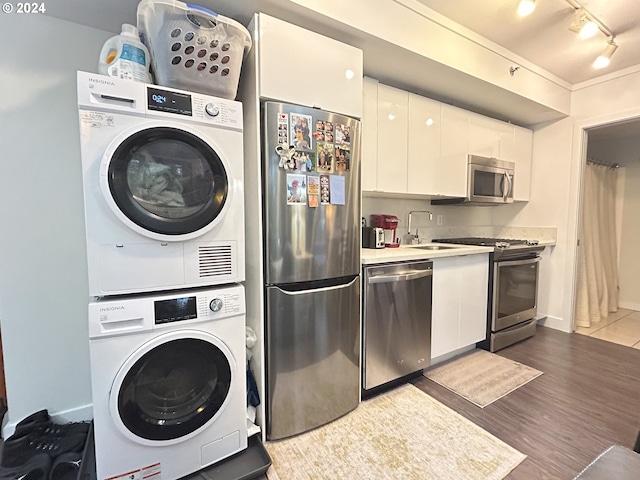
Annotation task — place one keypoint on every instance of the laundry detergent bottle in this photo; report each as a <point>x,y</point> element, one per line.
<point>125,56</point>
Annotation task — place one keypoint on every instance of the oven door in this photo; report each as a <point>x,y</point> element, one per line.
<point>489,184</point>
<point>515,292</point>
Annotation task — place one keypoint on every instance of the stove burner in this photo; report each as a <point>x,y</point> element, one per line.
<point>501,243</point>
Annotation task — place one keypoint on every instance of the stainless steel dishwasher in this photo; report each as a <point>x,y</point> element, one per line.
<point>397,321</point>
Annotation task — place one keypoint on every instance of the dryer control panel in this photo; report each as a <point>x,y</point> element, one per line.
<point>115,316</point>
<point>109,94</point>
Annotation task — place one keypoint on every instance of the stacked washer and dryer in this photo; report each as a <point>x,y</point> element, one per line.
<point>164,210</point>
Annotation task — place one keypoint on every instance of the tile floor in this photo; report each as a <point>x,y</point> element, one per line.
<point>622,327</point>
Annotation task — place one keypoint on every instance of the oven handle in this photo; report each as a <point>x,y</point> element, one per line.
<point>401,277</point>
<point>518,262</point>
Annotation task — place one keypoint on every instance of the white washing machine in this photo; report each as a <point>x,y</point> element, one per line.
<point>168,378</point>
<point>163,186</point>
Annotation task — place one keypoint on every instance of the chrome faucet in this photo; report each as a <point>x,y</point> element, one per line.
<point>416,238</point>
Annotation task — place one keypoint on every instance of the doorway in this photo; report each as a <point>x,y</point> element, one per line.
<point>618,144</point>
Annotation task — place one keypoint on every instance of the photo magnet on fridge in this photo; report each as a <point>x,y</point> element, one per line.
<point>301,131</point>
<point>342,134</point>
<point>283,128</point>
<point>313,191</point>
<point>325,152</point>
<point>296,189</point>
<point>324,190</point>
<point>343,158</point>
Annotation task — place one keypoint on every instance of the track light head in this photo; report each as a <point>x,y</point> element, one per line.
<point>526,7</point>
<point>605,57</point>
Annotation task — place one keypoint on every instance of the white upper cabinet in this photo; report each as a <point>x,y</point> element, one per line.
<point>370,134</point>
<point>393,118</point>
<point>516,146</point>
<point>523,155</point>
<point>454,149</point>
<point>483,137</point>
<point>423,156</point>
<point>418,146</point>
<point>292,68</point>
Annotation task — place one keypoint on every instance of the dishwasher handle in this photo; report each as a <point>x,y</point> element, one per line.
<point>401,277</point>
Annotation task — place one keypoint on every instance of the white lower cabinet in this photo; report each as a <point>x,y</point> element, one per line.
<point>459,311</point>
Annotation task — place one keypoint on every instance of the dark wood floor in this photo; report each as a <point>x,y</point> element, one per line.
<point>587,400</point>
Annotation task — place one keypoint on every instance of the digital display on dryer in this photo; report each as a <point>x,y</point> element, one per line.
<point>171,102</point>
<point>175,310</point>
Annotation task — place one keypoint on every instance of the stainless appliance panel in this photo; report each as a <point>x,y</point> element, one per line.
<point>509,336</point>
<point>304,243</point>
<point>313,353</point>
<point>490,184</point>
<point>515,292</point>
<point>397,321</point>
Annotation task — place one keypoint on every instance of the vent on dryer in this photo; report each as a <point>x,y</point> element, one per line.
<point>215,261</point>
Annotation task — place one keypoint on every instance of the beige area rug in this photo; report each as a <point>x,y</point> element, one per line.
<point>403,434</point>
<point>482,377</point>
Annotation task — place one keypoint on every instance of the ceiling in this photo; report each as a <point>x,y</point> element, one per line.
<point>543,38</point>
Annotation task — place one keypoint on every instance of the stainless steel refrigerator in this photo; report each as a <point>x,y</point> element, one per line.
<point>311,184</point>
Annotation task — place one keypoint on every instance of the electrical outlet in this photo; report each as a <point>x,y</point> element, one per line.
<point>440,219</point>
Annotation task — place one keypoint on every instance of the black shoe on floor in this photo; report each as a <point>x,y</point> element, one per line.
<point>28,424</point>
<point>20,450</point>
<point>66,466</point>
<point>36,468</point>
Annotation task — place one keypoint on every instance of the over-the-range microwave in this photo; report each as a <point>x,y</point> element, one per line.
<point>489,182</point>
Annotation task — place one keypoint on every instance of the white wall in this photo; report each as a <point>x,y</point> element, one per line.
<point>44,292</point>
<point>548,206</point>
<point>629,264</point>
<point>558,156</point>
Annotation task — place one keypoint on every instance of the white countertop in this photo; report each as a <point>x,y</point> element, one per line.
<point>414,252</point>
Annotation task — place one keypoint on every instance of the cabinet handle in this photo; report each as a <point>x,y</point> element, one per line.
<point>402,277</point>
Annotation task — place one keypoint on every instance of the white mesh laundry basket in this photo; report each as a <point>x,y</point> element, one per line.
<point>192,47</point>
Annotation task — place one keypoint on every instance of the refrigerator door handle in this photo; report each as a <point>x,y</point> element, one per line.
<point>401,277</point>
<point>314,290</point>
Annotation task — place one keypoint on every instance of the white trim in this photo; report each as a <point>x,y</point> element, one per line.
<point>605,78</point>
<point>629,306</point>
<point>556,323</point>
<point>578,158</point>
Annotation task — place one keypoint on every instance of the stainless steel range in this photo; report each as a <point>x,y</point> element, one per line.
<point>513,289</point>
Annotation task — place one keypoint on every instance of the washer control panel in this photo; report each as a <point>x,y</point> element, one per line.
<point>115,316</point>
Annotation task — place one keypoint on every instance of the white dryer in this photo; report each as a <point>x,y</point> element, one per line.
<point>168,378</point>
<point>163,186</point>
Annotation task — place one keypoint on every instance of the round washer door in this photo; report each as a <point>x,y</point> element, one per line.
<point>172,387</point>
<point>165,182</point>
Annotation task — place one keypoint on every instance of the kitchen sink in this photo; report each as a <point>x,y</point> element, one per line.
<point>432,247</point>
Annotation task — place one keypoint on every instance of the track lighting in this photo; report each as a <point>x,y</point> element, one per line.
<point>583,24</point>
<point>526,7</point>
<point>605,57</point>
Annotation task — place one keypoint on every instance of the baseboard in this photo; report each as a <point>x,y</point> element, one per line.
<point>78,414</point>
<point>556,323</point>
<point>629,305</point>
<point>450,355</point>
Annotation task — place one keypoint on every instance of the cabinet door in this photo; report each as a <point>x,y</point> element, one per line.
<point>454,148</point>
<point>474,279</point>
<point>423,155</point>
<point>516,146</point>
<point>483,139</point>
<point>393,110</point>
<point>370,135</point>
<point>292,69</point>
<point>445,307</point>
<point>524,152</point>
